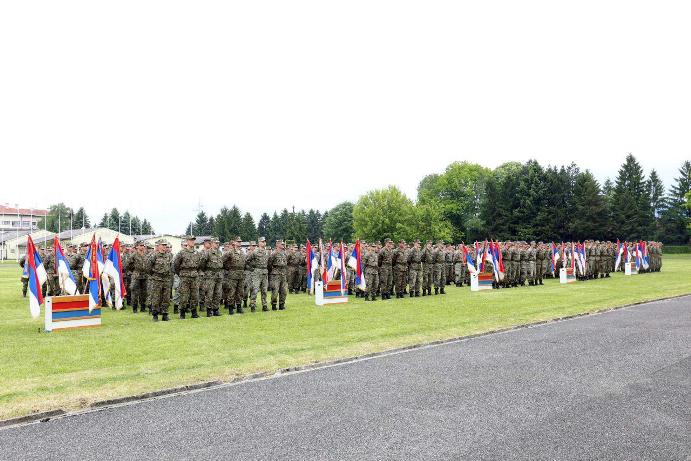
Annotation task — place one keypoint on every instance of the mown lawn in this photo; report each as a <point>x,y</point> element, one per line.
<point>131,355</point>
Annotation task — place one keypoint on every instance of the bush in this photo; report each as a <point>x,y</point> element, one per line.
<point>676,249</point>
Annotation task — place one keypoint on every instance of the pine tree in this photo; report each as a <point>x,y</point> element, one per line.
<point>147,229</point>
<point>248,230</point>
<point>339,224</point>
<point>676,216</point>
<point>114,220</point>
<point>81,219</point>
<point>263,225</point>
<point>136,226</point>
<point>632,215</point>
<point>314,225</point>
<point>201,223</point>
<point>590,210</point>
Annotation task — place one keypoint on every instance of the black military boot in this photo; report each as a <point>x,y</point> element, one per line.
<point>216,313</point>
<point>436,291</point>
<point>244,303</point>
<point>194,314</point>
<point>265,309</point>
<point>182,315</point>
<point>164,317</point>
<point>253,308</point>
<point>281,306</point>
<point>176,309</point>
<point>238,307</point>
<point>350,291</point>
<point>441,290</point>
<point>231,309</point>
<point>366,297</point>
<point>417,294</point>
<point>273,307</point>
<point>208,312</point>
<point>155,317</point>
<point>412,294</point>
<point>134,309</point>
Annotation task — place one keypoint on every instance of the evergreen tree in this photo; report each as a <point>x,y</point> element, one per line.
<point>210,226</point>
<point>248,231</point>
<point>263,225</point>
<point>125,223</point>
<point>296,228</point>
<point>201,223</point>
<point>114,220</point>
<point>58,218</point>
<point>657,193</point>
<point>675,218</point>
<point>105,221</point>
<point>136,226</point>
<point>531,193</point>
<point>590,210</point>
<point>147,229</point>
<point>631,211</point>
<point>81,219</point>
<point>314,225</point>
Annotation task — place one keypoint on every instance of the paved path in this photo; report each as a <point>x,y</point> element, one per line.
<point>610,386</point>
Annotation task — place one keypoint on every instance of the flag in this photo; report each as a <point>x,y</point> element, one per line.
<point>644,255</point>
<point>322,263</point>
<point>627,258</point>
<point>37,277</point>
<point>355,262</point>
<point>501,261</point>
<point>65,277</point>
<point>478,255</point>
<point>620,251</point>
<point>113,268</point>
<point>469,261</point>
<point>554,252</point>
<point>481,256</point>
<point>309,261</point>
<point>494,259</point>
<point>93,275</point>
<point>637,256</point>
<point>344,274</point>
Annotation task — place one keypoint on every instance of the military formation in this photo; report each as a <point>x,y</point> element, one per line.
<point>233,277</point>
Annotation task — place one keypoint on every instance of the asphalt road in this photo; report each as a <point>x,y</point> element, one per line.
<point>609,386</point>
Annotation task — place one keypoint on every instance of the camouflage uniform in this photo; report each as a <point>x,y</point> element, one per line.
<point>25,277</point>
<point>186,265</point>
<point>247,286</point>
<point>427,270</point>
<point>76,262</point>
<point>302,271</point>
<point>259,259</point>
<point>386,272</point>
<point>159,268</point>
<point>532,264</point>
<point>459,268</point>
<point>449,274</point>
<point>234,264</point>
<point>439,259</point>
<point>52,280</point>
<point>399,260</point>
<point>371,267</point>
<point>136,265</point>
<point>415,271</point>
<point>278,261</point>
<point>211,262</point>
<point>523,255</point>
<point>293,271</point>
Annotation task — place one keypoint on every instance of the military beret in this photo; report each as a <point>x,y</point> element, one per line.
<point>429,241</point>
<point>161,242</point>
<point>401,241</point>
<point>84,244</point>
<point>387,240</point>
<point>238,239</point>
<point>417,241</point>
<point>377,242</point>
<point>148,245</point>
<point>262,239</point>
<point>279,241</point>
<point>253,243</point>
<point>207,239</point>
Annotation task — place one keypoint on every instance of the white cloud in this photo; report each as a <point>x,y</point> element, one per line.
<point>256,103</point>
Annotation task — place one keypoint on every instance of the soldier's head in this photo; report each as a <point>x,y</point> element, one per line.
<point>428,244</point>
<point>207,243</point>
<point>279,245</point>
<point>141,248</point>
<point>416,244</point>
<point>189,241</point>
<point>262,242</point>
<point>161,246</point>
<point>215,243</point>
<point>401,244</point>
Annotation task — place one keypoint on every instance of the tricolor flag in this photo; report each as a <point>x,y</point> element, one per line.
<point>309,260</point>
<point>65,277</point>
<point>92,273</point>
<point>344,274</point>
<point>478,255</point>
<point>644,255</point>
<point>37,277</point>
<point>469,261</point>
<point>620,251</point>
<point>637,256</point>
<point>554,257</point>
<point>113,268</point>
<point>322,263</point>
<point>355,262</point>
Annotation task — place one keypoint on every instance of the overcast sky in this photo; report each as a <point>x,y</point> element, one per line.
<point>156,106</point>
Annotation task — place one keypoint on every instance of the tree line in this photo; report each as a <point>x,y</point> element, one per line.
<point>468,202</point>
<point>61,217</point>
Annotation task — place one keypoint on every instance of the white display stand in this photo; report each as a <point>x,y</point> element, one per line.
<point>474,285</point>
<point>562,275</point>
<point>630,268</point>
<point>319,293</point>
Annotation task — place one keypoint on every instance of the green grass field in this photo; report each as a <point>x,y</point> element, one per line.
<point>131,355</point>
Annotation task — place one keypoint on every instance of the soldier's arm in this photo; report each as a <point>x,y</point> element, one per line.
<point>176,264</point>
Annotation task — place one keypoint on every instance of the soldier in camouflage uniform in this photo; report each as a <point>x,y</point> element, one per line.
<point>386,269</point>
<point>258,260</point>
<point>370,262</point>
<point>523,259</point>
<point>399,261</point>
<point>159,269</point>
<point>439,259</point>
<point>186,265</point>
<point>234,264</point>
<point>278,261</point>
<point>247,287</point>
<point>176,285</point>
<point>415,255</point>
<point>211,262</point>
<point>532,263</point>
<point>293,269</point>
<point>76,261</point>
<point>49,265</point>
<point>427,268</point>
<point>136,265</point>
<point>206,246</point>
<point>448,259</point>
<point>25,275</point>
<point>458,266</point>
<point>302,269</point>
